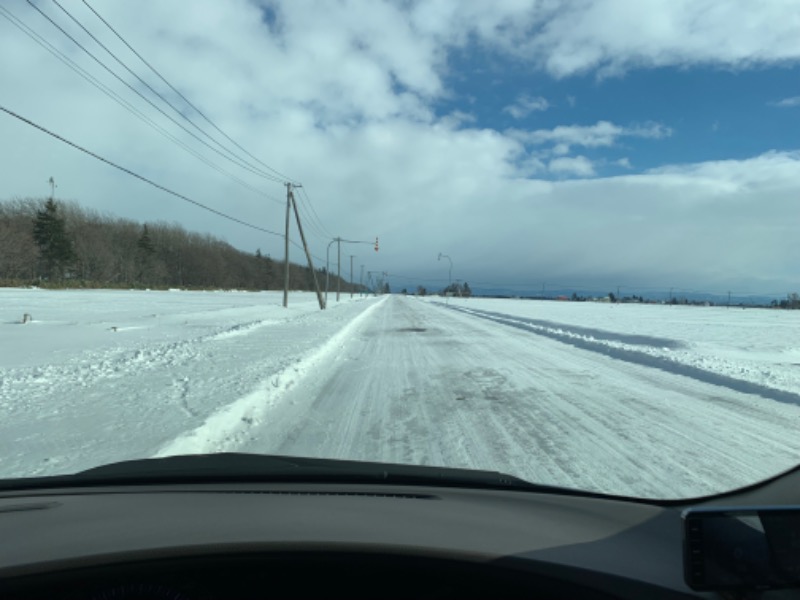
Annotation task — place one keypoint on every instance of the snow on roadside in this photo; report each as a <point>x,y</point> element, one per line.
<point>228,427</point>
<point>76,393</point>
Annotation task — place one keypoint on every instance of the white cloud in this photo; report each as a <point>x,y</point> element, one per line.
<point>341,97</point>
<point>602,133</point>
<point>571,165</point>
<point>524,105</point>
<point>458,117</point>
<point>561,149</point>
<point>787,102</point>
<point>625,163</point>
<point>614,36</point>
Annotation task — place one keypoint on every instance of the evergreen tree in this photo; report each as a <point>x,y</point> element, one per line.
<point>55,247</point>
<point>145,243</point>
<point>145,254</point>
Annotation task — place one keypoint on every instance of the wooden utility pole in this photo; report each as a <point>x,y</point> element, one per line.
<point>305,247</point>
<point>338,267</point>
<point>286,247</point>
<point>352,256</point>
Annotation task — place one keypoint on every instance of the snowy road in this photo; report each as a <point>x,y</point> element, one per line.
<point>632,406</point>
<point>422,383</point>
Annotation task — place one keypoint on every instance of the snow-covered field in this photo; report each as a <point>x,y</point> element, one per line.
<point>100,376</point>
<point>663,401</point>
<point>757,346</point>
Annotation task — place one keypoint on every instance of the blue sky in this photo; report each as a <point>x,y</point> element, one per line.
<point>591,144</point>
<point>714,113</point>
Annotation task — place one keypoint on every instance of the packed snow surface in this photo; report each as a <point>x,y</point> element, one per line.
<point>642,400</point>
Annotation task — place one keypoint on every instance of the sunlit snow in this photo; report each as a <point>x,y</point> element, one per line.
<point>649,400</point>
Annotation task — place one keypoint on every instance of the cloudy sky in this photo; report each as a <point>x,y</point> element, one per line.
<point>584,144</point>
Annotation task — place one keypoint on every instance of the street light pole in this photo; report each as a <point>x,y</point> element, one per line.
<point>449,275</point>
<point>328,267</point>
<point>352,256</point>
<point>338,268</point>
<point>450,271</point>
<point>340,241</point>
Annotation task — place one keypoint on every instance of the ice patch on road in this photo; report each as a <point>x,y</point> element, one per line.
<point>229,426</point>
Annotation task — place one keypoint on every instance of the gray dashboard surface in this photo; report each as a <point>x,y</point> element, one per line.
<point>67,529</point>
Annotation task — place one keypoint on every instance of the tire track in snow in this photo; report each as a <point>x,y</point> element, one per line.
<point>577,337</point>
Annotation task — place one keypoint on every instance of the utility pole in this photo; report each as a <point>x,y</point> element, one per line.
<point>53,187</point>
<point>729,299</point>
<point>286,247</point>
<point>376,285</point>
<point>361,282</point>
<point>339,241</point>
<point>305,247</point>
<point>338,267</point>
<point>352,256</point>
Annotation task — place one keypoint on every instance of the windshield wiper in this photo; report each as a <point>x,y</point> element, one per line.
<point>257,468</point>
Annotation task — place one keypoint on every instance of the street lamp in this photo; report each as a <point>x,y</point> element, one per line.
<point>340,241</point>
<point>328,268</point>
<point>449,272</point>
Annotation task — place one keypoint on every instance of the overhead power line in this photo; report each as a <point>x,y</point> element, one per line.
<point>137,176</point>
<point>184,98</point>
<point>143,97</point>
<point>38,39</point>
<point>149,181</point>
<point>313,226</point>
<point>307,198</point>
<point>157,93</point>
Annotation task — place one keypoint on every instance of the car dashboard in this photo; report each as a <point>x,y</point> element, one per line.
<point>261,540</point>
<point>270,539</point>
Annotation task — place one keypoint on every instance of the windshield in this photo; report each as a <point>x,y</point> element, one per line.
<point>554,240</point>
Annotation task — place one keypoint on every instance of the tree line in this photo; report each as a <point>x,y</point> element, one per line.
<point>51,243</point>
